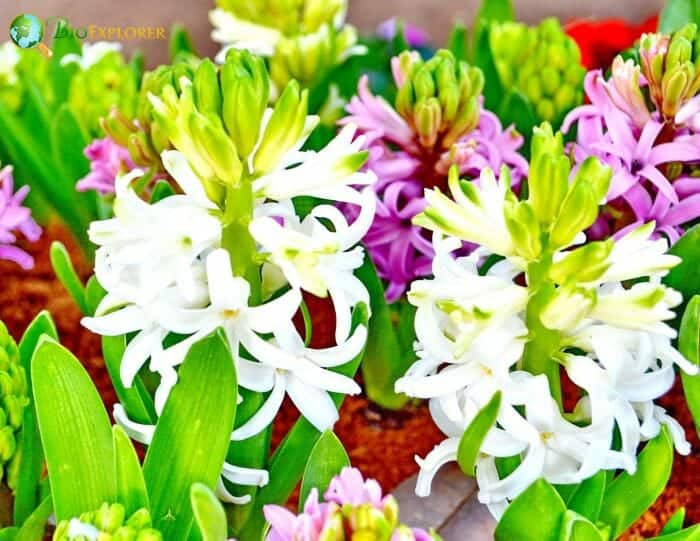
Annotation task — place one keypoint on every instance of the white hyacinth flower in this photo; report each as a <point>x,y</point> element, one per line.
<point>9,58</point>
<point>236,33</point>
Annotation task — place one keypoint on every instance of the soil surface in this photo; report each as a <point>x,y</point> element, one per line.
<point>380,443</point>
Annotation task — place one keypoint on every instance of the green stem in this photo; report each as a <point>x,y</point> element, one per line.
<point>236,238</point>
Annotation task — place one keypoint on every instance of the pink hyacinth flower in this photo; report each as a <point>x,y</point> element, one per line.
<point>15,218</point>
<point>108,160</point>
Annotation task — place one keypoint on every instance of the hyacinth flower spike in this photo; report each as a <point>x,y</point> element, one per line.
<point>512,329</point>
<point>653,151</point>
<point>229,250</point>
<point>14,218</point>
<point>436,121</point>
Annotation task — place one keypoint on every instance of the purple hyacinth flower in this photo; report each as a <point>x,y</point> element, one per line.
<point>643,158</point>
<point>400,251</point>
<point>15,218</point>
<point>307,526</point>
<point>349,487</point>
<point>415,36</point>
<point>108,160</point>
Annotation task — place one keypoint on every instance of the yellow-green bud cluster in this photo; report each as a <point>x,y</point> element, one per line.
<point>309,57</point>
<point>217,120</point>
<point>111,524</point>
<point>289,17</point>
<point>439,98</point>
<point>556,209</point>
<point>671,66</point>
<point>542,63</point>
<point>108,83</point>
<point>135,129</point>
<point>366,522</point>
<point>16,67</point>
<point>13,400</point>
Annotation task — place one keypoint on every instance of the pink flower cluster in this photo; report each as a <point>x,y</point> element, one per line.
<point>108,160</point>
<point>15,218</point>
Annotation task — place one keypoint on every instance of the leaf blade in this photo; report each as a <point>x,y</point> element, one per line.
<point>328,457</point>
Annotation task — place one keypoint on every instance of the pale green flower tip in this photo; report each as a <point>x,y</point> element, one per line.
<point>109,522</point>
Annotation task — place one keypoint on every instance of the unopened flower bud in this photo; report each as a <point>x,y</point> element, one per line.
<point>567,308</point>
<point>108,524</point>
<point>207,95</point>
<point>584,264</point>
<point>524,229</point>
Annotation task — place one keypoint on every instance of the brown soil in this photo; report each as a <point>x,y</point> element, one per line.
<point>382,444</point>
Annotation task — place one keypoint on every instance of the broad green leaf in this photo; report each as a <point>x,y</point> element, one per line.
<point>675,523</point>
<point>35,525</point>
<point>489,12</point>
<point>68,142</point>
<point>457,42</point>
<point>685,277</point>
<point>31,461</point>
<point>64,43</point>
<point>517,110</point>
<point>131,487</point>
<point>161,190</point>
<point>689,346</point>
<point>9,534</point>
<point>287,463</point>
<point>137,65</point>
<point>677,13</point>
<point>475,434</point>
<point>535,515</point>
<point>208,513</point>
<point>327,459</point>
<point>137,403</point>
<point>628,496</point>
<point>180,42</point>
<point>384,362</point>
<point>588,497</point>
<point>689,534</point>
<point>578,528</point>
<point>192,435</point>
<point>65,272</point>
<point>75,432</point>
<point>399,43</point>
<point>35,112</point>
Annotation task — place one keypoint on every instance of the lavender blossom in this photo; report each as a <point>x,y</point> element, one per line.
<point>107,161</point>
<point>15,218</point>
<point>415,36</point>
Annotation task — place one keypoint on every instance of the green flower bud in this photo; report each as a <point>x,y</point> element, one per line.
<point>207,95</point>
<point>541,62</point>
<point>13,394</point>
<point>246,88</point>
<point>286,125</point>
<point>567,308</point>
<point>580,207</point>
<point>548,179</point>
<point>584,264</point>
<point>111,524</point>
<point>524,229</point>
<point>214,146</point>
<point>674,91</point>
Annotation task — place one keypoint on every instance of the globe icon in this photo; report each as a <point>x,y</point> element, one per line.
<point>26,31</point>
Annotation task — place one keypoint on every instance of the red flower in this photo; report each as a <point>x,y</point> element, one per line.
<point>601,41</point>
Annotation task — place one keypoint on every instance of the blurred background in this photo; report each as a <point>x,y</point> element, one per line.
<point>436,16</point>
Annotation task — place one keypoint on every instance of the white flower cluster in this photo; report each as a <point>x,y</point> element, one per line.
<point>166,273</point>
<point>473,329</point>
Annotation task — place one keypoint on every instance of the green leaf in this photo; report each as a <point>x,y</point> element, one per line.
<point>535,515</point>
<point>180,42</point>
<point>475,434</point>
<point>288,461</point>
<point>675,523</point>
<point>399,43</point>
<point>161,190</point>
<point>137,65</point>
<point>685,277</point>
<point>94,293</point>
<point>35,112</point>
<point>517,110</point>
<point>68,142</point>
<point>628,496</point>
<point>75,432</point>
<point>689,346</point>
<point>35,525</point>
<point>384,362</point>
<point>327,459</point>
<point>577,528</point>
<point>457,42</point>
<point>208,513</point>
<point>483,59</point>
<point>31,461</point>
<point>689,534</point>
<point>9,534</point>
<point>489,12</point>
<point>588,497</point>
<point>677,13</point>
<point>192,434</point>
<point>65,272</point>
<point>137,403</point>
<point>131,487</point>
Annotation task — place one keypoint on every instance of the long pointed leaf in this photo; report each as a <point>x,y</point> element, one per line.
<point>475,434</point>
<point>65,272</point>
<point>192,435</point>
<point>327,459</point>
<point>31,455</point>
<point>535,515</point>
<point>689,346</point>
<point>131,487</point>
<point>588,497</point>
<point>33,528</point>
<point>208,513</point>
<point>75,432</point>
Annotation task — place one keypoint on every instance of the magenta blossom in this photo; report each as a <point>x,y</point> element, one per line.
<point>108,160</point>
<point>400,250</point>
<point>15,218</point>
<point>415,36</point>
<point>335,519</point>
<point>650,160</point>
